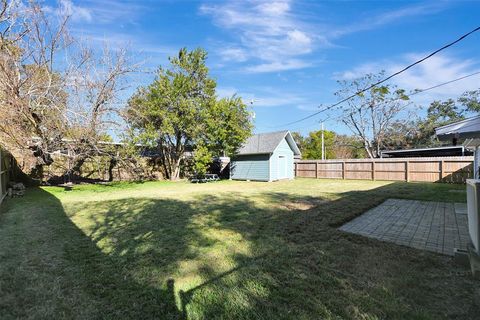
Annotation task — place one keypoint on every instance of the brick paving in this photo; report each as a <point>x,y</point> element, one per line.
<point>432,226</point>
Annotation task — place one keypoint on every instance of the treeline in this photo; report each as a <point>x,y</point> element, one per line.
<point>336,146</point>
<point>62,98</point>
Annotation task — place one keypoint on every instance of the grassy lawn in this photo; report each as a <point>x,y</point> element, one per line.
<point>227,250</point>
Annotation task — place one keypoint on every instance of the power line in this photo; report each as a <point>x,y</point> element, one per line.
<point>431,88</point>
<point>383,80</point>
<point>444,83</point>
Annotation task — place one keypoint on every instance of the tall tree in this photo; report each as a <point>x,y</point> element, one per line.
<point>55,93</point>
<point>179,110</point>
<point>32,92</point>
<point>369,114</point>
<point>227,125</point>
<point>94,104</point>
<point>312,146</point>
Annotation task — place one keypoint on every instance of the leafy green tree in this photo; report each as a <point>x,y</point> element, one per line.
<point>202,159</point>
<point>180,109</point>
<point>312,147</point>
<point>471,100</point>
<point>227,126</point>
<point>439,113</point>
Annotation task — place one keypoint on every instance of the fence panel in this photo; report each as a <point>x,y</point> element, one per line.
<point>3,174</point>
<point>444,169</point>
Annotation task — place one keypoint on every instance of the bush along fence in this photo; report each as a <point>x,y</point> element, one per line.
<point>445,169</point>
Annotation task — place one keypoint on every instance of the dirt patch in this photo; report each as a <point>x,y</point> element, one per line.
<point>302,205</point>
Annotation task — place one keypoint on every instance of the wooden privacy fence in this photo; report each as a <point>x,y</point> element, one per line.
<point>4,157</point>
<point>445,169</point>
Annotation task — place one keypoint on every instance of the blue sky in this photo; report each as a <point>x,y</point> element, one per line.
<point>286,56</point>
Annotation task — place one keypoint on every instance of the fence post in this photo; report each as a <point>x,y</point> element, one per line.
<point>373,170</point>
<point>1,174</point>
<point>407,170</point>
<point>295,169</point>
<point>441,170</point>
<point>3,177</point>
<point>343,170</point>
<point>316,170</point>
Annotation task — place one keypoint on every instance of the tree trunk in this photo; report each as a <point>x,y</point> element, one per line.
<point>111,166</point>
<point>368,150</point>
<point>42,159</point>
<point>175,174</point>
<point>77,167</point>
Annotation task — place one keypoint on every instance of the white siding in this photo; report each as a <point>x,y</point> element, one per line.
<point>283,149</point>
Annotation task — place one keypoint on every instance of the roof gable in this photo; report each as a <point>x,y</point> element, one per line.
<point>267,143</point>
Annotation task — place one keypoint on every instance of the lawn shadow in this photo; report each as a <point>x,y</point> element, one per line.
<point>60,272</point>
<point>271,255</point>
<point>305,266</point>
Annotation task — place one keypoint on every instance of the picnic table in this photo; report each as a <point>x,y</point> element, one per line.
<point>209,177</point>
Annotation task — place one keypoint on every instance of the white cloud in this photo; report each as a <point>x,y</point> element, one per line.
<point>274,8</point>
<point>276,66</point>
<point>68,8</point>
<point>272,37</point>
<point>233,54</point>
<point>98,11</point>
<point>433,71</point>
<point>77,13</point>
<point>375,21</point>
<point>265,97</point>
<point>226,92</point>
<point>268,33</point>
<point>277,100</point>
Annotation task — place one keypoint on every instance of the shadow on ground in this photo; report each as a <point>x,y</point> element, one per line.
<point>273,255</point>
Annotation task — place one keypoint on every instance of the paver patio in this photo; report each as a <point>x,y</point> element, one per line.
<point>433,226</point>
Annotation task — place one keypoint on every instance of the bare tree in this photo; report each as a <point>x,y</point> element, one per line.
<point>94,89</point>
<point>55,92</point>
<point>32,93</point>
<point>369,114</point>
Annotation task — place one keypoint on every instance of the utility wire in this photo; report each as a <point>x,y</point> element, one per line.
<point>445,83</point>
<point>409,103</point>
<point>383,80</point>
<point>431,88</point>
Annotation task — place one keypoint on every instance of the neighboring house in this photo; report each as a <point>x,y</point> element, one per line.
<point>265,157</point>
<point>468,131</point>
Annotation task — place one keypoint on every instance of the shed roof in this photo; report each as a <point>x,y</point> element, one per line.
<point>428,152</point>
<point>263,143</point>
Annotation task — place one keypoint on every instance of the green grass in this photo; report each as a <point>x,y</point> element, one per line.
<point>227,250</point>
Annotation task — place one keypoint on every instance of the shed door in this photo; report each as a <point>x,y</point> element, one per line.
<point>282,167</point>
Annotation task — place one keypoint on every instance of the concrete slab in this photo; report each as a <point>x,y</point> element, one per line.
<point>433,226</point>
<point>460,208</point>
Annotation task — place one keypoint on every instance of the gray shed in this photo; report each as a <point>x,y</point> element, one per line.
<point>265,157</point>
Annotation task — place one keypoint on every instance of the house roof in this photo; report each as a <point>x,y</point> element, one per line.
<point>267,143</point>
<point>468,128</point>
